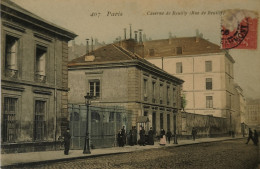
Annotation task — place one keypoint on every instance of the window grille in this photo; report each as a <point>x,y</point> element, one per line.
<point>39,121</point>
<point>9,119</point>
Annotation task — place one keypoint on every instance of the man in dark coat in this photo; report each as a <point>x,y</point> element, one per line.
<point>120,138</point>
<point>169,135</point>
<point>123,135</point>
<point>134,135</point>
<point>67,137</point>
<point>150,136</point>
<point>193,133</point>
<point>255,138</point>
<point>250,136</point>
<point>142,136</point>
<point>131,143</point>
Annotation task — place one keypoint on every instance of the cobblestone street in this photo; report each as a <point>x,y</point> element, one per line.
<point>233,154</point>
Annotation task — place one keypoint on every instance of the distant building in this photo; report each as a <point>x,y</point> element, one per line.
<point>118,77</point>
<point>239,117</point>
<point>206,69</point>
<point>253,113</point>
<point>34,80</point>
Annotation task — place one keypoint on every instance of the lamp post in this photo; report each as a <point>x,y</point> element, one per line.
<point>86,145</point>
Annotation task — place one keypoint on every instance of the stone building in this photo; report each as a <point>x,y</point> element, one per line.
<point>34,79</point>
<point>253,113</point>
<point>118,77</point>
<point>239,117</point>
<point>206,69</point>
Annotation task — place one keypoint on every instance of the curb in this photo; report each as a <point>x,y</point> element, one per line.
<point>24,164</point>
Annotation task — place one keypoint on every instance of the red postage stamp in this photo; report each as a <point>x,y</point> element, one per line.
<point>239,29</point>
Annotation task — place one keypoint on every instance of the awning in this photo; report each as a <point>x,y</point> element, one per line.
<point>142,119</point>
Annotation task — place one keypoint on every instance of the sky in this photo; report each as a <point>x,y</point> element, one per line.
<point>106,20</point>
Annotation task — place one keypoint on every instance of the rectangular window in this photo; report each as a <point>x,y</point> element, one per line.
<point>179,67</point>
<point>208,83</point>
<point>145,113</point>
<point>161,120</point>
<point>11,55</point>
<point>151,52</point>
<point>40,67</point>
<point>168,121</point>
<point>161,93</point>
<point>154,121</point>
<point>39,122</point>
<point>154,93</point>
<point>209,102</point>
<point>168,95</point>
<point>111,116</point>
<point>145,90</point>
<point>174,96</point>
<point>178,50</point>
<point>9,120</point>
<point>94,88</point>
<point>208,66</point>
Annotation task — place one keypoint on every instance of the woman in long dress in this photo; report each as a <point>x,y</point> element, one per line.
<point>162,138</point>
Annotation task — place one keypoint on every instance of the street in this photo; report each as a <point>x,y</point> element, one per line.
<point>233,154</point>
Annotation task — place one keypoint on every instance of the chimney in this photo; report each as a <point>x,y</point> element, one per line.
<point>170,35</point>
<point>92,45</point>
<point>197,35</point>
<point>125,33</point>
<point>136,35</point>
<point>130,31</point>
<point>140,36</point>
<point>87,49</point>
<point>144,37</point>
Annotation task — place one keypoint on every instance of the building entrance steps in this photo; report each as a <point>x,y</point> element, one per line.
<point>9,160</point>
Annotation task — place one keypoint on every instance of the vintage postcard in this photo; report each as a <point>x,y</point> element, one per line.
<point>130,84</point>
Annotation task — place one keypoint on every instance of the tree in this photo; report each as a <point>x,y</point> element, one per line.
<point>183,102</point>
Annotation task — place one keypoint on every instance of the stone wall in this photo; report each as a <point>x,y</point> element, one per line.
<point>207,126</point>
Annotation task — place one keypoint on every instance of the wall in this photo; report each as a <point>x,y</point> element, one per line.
<point>207,126</point>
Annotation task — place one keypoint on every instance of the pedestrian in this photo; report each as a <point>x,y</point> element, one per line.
<point>142,137</point>
<point>120,138</point>
<point>250,136</point>
<point>131,143</point>
<point>193,133</point>
<point>67,137</point>
<point>255,138</point>
<point>123,135</point>
<point>162,138</point>
<point>134,135</point>
<point>150,136</point>
<point>169,135</point>
<point>175,138</point>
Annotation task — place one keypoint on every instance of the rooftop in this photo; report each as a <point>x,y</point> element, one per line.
<point>25,15</point>
<point>114,54</point>
<point>185,45</point>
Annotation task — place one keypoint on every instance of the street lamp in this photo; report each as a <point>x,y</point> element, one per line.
<point>86,145</point>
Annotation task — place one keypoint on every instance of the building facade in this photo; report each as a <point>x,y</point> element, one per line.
<point>206,69</point>
<point>34,80</point>
<point>118,77</point>
<point>240,109</point>
<point>253,113</point>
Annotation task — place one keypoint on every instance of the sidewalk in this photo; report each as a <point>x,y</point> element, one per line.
<point>8,160</point>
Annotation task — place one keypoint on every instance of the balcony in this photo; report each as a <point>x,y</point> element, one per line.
<point>40,78</point>
<point>11,73</point>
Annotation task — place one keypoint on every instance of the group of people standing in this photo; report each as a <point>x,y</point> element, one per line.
<point>122,137</point>
<point>253,137</point>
